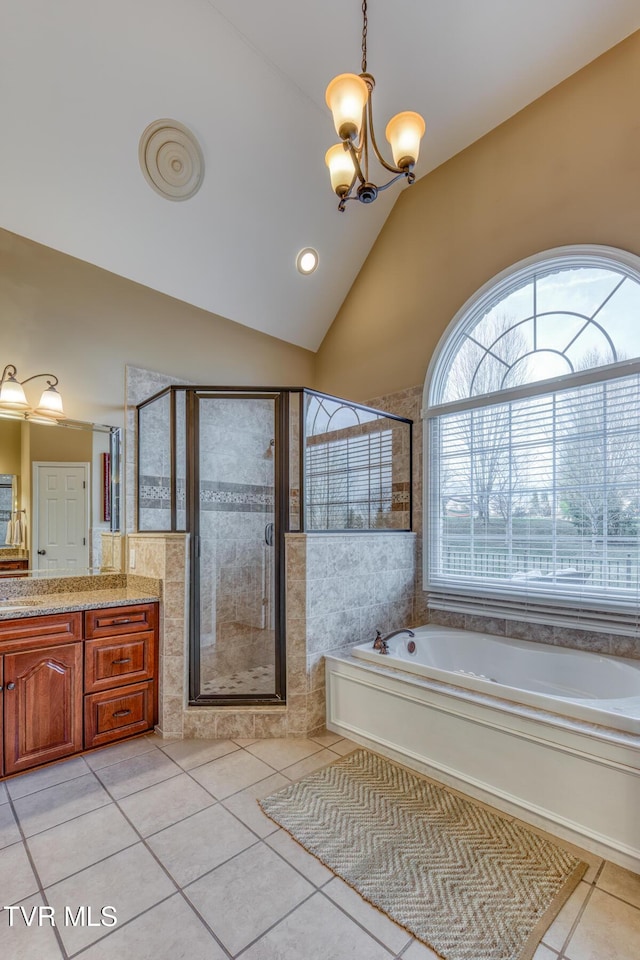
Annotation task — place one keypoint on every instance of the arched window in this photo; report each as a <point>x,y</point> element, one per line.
<point>532,419</point>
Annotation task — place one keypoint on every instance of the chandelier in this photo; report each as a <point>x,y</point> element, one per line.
<point>348,97</point>
<point>12,395</point>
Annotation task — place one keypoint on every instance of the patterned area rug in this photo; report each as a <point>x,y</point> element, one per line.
<point>469,883</point>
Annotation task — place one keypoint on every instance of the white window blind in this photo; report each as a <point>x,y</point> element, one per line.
<point>534,504</point>
<point>349,481</point>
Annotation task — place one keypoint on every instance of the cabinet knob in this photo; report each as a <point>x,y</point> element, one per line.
<point>121,660</point>
<point>121,713</point>
<point>11,686</point>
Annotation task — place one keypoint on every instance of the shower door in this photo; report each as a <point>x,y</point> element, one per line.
<point>237,507</point>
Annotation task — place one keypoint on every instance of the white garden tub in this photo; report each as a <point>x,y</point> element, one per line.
<point>547,734</point>
<point>603,690</point>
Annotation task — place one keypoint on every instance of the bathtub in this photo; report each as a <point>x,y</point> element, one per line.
<point>546,734</point>
<point>573,683</point>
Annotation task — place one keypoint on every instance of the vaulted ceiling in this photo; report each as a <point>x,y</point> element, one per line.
<point>80,81</point>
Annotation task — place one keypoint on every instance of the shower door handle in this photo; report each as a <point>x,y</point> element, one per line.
<point>268,534</point>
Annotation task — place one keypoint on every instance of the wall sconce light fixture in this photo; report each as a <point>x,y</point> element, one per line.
<point>12,395</point>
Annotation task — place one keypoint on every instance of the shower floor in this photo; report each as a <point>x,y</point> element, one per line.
<point>254,680</point>
<point>240,661</point>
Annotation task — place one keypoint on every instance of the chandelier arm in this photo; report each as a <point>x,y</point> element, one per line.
<point>410,177</point>
<point>380,158</point>
<point>356,163</point>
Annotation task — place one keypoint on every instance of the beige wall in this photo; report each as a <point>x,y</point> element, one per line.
<point>564,170</point>
<point>61,315</point>
<point>10,431</point>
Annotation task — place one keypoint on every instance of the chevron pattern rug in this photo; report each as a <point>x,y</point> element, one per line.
<point>469,883</point>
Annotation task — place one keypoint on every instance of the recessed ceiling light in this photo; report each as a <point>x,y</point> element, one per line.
<point>307,260</point>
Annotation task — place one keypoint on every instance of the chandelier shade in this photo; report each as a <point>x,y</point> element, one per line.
<point>341,168</point>
<point>404,132</point>
<point>346,97</point>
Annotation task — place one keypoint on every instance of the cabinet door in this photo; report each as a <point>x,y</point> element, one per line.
<point>42,705</point>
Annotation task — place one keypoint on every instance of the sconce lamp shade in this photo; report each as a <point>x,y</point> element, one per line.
<point>341,168</point>
<point>346,97</point>
<point>12,396</point>
<point>50,404</point>
<point>404,132</point>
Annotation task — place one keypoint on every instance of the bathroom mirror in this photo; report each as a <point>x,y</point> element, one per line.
<point>59,496</point>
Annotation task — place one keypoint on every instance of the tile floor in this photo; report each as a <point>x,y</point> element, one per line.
<point>170,835</point>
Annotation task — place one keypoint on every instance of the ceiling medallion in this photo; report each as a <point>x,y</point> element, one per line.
<point>171,159</point>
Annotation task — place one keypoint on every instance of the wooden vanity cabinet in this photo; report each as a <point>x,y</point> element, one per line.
<point>41,689</point>
<point>75,680</point>
<point>120,657</point>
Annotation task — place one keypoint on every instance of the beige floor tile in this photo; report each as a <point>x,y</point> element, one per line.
<point>105,756</point>
<point>375,921</point>
<point>47,777</point>
<point>244,805</point>
<point>326,739</point>
<point>231,773</point>
<point>316,930</point>
<point>561,926</point>
<point>309,765</point>
<point>17,879</point>
<point>193,753</point>
<point>9,832</point>
<point>47,808</point>
<point>4,796</point>
<point>299,858</point>
<point>76,844</point>
<point>248,894</point>
<point>128,776</point>
<point>608,930</point>
<point>22,942</point>
<point>282,753</point>
<point>622,883</point>
<point>419,951</point>
<point>169,931</point>
<point>183,850</point>
<point>342,747</point>
<point>130,881</point>
<point>545,953</point>
<point>165,803</point>
<point>245,741</point>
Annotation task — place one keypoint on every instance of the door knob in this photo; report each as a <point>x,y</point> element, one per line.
<point>10,686</point>
<point>42,552</point>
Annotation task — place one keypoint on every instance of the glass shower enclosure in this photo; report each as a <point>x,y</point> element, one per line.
<point>237,468</point>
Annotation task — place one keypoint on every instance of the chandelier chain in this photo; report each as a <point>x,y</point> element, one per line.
<point>365,24</point>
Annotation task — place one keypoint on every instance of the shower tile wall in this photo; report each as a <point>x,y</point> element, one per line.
<point>341,588</point>
<point>154,466</point>
<point>408,403</point>
<point>236,565</point>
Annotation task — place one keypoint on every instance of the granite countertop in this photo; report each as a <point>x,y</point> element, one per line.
<point>37,606</point>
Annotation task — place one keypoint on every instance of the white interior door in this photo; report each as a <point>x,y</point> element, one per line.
<point>61,520</point>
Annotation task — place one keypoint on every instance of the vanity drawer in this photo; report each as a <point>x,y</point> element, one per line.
<point>31,633</point>
<point>113,662</point>
<point>115,714</point>
<point>115,621</point>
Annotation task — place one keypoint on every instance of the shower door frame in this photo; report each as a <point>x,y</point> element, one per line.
<point>280,399</point>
